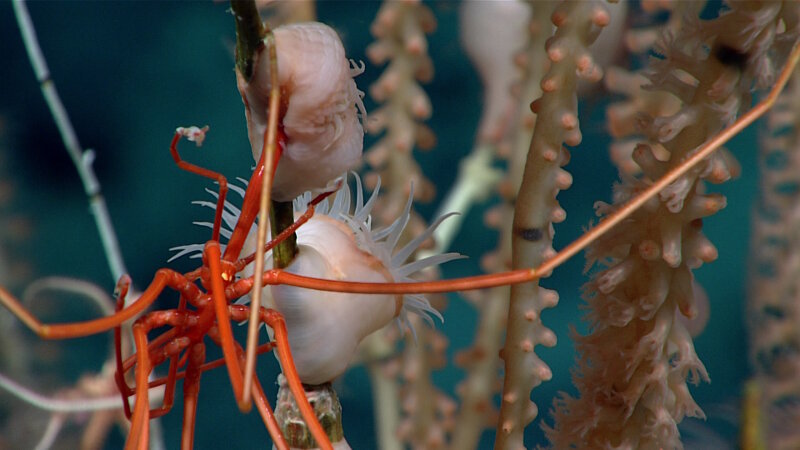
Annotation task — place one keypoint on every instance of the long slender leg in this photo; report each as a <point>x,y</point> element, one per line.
<point>211,365</point>
<point>189,167</point>
<point>162,279</point>
<point>172,351</point>
<point>140,421</point>
<point>241,313</point>
<point>415,287</point>
<point>274,320</point>
<point>157,355</point>
<point>191,389</point>
<point>159,341</point>
<point>250,204</point>
<point>525,275</point>
<point>213,259</point>
<point>248,213</point>
<point>262,405</point>
<point>121,291</point>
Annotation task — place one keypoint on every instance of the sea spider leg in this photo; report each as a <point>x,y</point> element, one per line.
<point>145,363</point>
<point>157,355</point>
<point>189,167</point>
<point>212,258</point>
<point>250,204</point>
<point>530,274</point>
<point>264,409</point>
<point>217,275</point>
<point>169,346</point>
<point>309,212</point>
<point>241,313</point>
<point>163,278</point>
<point>167,339</point>
<point>121,292</point>
<point>191,389</point>
<point>129,363</point>
<point>275,320</point>
<point>172,351</point>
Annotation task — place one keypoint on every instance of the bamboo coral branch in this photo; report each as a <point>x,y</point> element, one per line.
<point>499,45</point>
<point>537,209</point>
<point>400,30</point>
<point>82,159</point>
<point>637,359</point>
<point>249,34</point>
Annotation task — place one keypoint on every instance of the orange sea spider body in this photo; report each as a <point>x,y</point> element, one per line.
<point>183,344</point>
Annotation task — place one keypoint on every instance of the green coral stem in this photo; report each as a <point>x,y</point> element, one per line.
<point>250,32</point>
<point>281,217</point>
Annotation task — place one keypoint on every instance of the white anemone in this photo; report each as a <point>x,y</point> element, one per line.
<point>338,243</point>
<point>321,107</point>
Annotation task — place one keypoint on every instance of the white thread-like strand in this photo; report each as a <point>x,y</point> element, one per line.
<point>72,405</point>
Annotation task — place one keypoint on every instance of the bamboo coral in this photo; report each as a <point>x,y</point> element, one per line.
<point>773,308</point>
<point>637,358</point>
<point>537,209</point>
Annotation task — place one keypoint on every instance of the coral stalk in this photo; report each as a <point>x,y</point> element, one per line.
<point>537,209</point>
<point>82,159</point>
<point>637,359</point>
<point>496,38</point>
<point>400,30</point>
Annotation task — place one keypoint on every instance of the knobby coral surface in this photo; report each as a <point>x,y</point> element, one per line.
<point>637,359</point>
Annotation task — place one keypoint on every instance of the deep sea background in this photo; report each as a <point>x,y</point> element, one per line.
<point>130,72</point>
